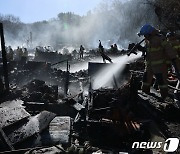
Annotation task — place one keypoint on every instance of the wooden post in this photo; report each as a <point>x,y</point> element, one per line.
<point>5,68</point>
<point>67,79</point>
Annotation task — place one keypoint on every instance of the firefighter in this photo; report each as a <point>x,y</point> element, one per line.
<point>19,53</point>
<point>115,48</point>
<point>158,51</point>
<point>112,49</point>
<point>81,52</point>
<point>174,41</point>
<point>10,54</point>
<point>74,53</point>
<point>103,55</point>
<point>25,55</point>
<point>172,38</point>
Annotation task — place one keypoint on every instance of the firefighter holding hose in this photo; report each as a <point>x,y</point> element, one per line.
<point>103,55</point>
<point>158,51</point>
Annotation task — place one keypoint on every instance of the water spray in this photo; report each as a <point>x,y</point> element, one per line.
<point>105,76</point>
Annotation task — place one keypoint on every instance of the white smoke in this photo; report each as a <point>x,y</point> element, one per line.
<point>111,20</point>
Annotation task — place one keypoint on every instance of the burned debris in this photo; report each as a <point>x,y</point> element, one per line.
<point>47,108</point>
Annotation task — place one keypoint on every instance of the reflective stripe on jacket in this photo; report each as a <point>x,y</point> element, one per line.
<point>165,86</point>
<point>154,49</point>
<point>176,47</point>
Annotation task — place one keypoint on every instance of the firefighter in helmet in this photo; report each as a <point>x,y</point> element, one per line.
<point>81,52</point>
<point>103,55</point>
<point>158,51</point>
<point>174,41</point>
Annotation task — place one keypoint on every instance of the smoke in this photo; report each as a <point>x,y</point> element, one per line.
<point>76,67</point>
<point>112,20</point>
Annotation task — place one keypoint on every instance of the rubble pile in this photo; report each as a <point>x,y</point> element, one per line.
<point>22,130</point>
<point>34,91</point>
<point>109,121</point>
<point>50,56</point>
<point>20,74</point>
<point>38,91</point>
<point>165,112</point>
<point>80,74</point>
<point>105,120</point>
<point>138,65</point>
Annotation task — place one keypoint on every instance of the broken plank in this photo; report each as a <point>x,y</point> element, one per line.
<point>78,106</point>
<point>5,138</point>
<point>35,125</point>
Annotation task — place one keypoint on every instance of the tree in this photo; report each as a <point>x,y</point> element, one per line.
<point>168,12</point>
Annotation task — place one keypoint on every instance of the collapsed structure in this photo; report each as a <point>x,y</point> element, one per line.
<point>38,114</point>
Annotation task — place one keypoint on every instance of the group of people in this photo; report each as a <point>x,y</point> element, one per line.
<point>80,54</point>
<point>18,54</point>
<point>10,53</point>
<point>162,53</point>
<point>114,48</point>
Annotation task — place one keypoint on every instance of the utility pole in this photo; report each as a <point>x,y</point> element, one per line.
<point>5,67</point>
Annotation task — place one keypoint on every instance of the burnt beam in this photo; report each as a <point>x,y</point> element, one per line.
<point>5,67</point>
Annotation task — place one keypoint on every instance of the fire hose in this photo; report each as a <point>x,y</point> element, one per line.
<point>133,50</point>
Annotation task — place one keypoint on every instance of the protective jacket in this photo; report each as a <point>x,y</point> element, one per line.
<point>156,57</point>
<point>176,46</point>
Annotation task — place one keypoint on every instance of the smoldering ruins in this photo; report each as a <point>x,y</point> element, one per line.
<point>58,98</point>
